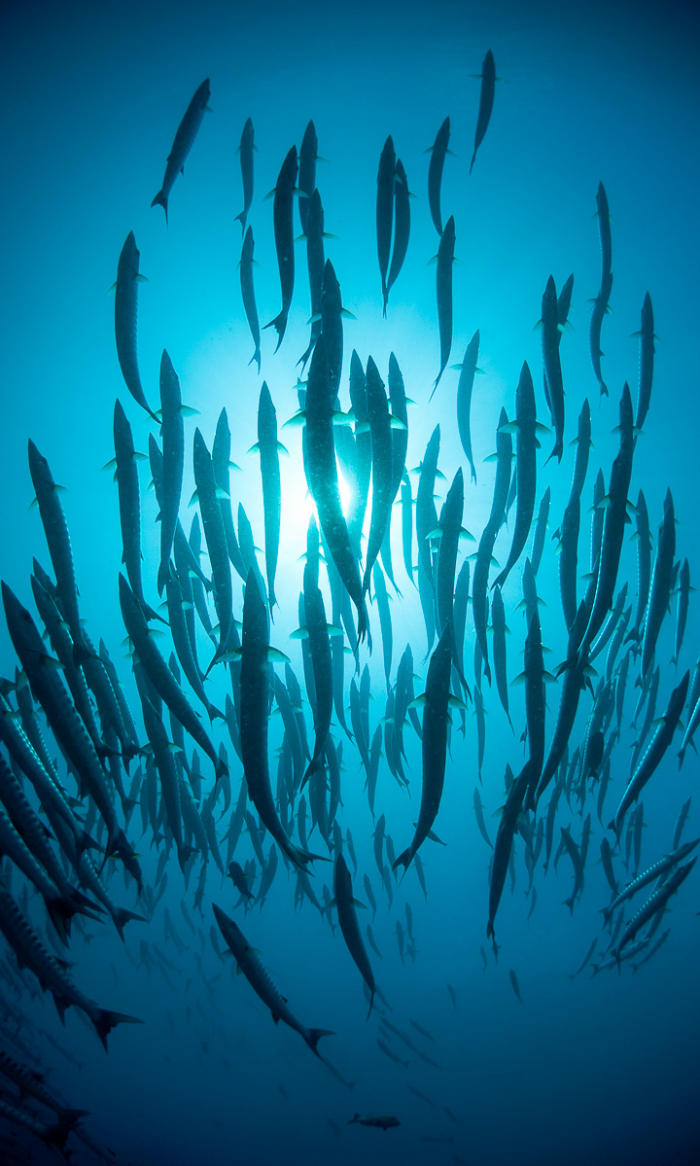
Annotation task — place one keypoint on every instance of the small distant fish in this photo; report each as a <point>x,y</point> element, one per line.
<point>379,1121</point>
<point>388,1053</point>
<point>514,981</point>
<point>423,1031</point>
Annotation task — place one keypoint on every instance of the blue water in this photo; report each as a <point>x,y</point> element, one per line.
<point>599,1068</point>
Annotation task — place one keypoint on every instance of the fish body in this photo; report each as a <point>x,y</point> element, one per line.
<point>654,904</point>
<point>434,744</point>
<point>345,905</point>
<point>385,213</point>
<point>464,399</point>
<point>646,362</point>
<point>377,1121</point>
<point>248,293</point>
<point>125,320</point>
<point>215,535</point>
<point>260,982</point>
<point>382,466</point>
<point>402,224</point>
<point>437,162</point>
<point>655,751</point>
<point>255,684</point>
<point>504,453</point>
<point>246,150</point>
<point>268,447</point>
<point>488,90</point>
<point>58,540</point>
<point>445,262</point>
<point>283,220</point>
<point>316,263</point>
<point>323,480</point>
<point>660,591</point>
<point>173,438</point>
<point>525,468</point>
<point>615,520</point>
<point>308,155</point>
<point>504,843</point>
<point>31,952</point>
<point>160,675</point>
<point>184,140</point>
<point>654,872</point>
<point>49,690</point>
<point>552,365</point>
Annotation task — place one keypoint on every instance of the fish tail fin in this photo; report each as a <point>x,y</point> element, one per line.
<point>256,357</point>
<point>184,855</point>
<point>471,167</point>
<point>161,199</point>
<point>371,1003</point>
<point>403,859</point>
<point>306,856</point>
<point>122,848</point>
<point>314,1035</point>
<point>280,324</point>
<point>241,218</point>
<point>499,580</point>
<point>61,912</point>
<point>310,770</point>
<point>104,1020</point>
<point>363,625</point>
<point>303,359</point>
<point>569,903</point>
<point>557,452</point>
<point>490,933</point>
<point>163,576</point>
<point>121,917</point>
<point>84,842</point>
<point>67,1120</point>
<point>85,904</point>
<point>149,614</point>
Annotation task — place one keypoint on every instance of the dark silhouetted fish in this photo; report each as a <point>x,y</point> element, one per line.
<point>283,220</point>
<point>437,161</point>
<point>445,261</point>
<point>184,140</point>
<point>260,982</point>
<point>488,89</point>
<point>245,151</point>
<point>385,213</point>
<point>248,293</point>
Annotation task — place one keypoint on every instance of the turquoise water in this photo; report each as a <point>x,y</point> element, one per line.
<point>599,1066</point>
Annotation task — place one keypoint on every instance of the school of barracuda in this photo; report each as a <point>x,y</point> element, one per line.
<point>202,784</point>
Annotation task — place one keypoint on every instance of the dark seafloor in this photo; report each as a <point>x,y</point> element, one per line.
<point>602,1067</point>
